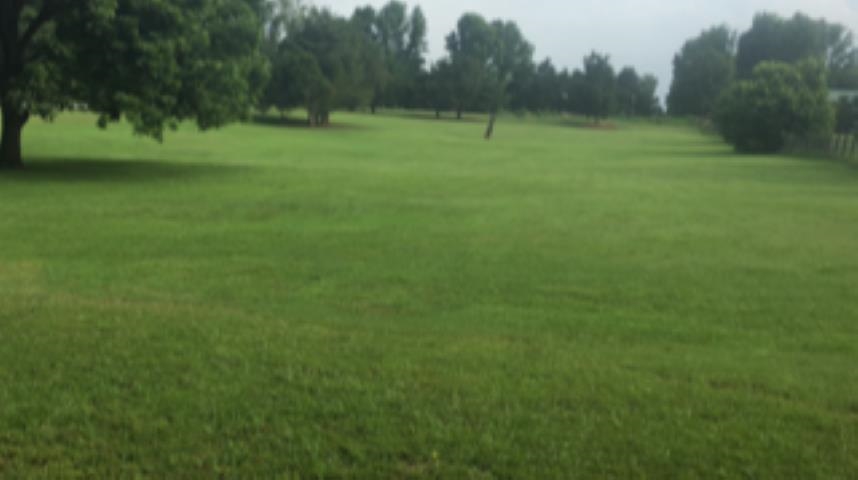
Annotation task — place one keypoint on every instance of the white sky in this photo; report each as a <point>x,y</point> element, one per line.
<point>642,33</point>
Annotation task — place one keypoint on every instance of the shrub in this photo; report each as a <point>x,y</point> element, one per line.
<point>780,101</point>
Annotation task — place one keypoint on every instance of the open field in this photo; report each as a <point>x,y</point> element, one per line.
<point>397,298</point>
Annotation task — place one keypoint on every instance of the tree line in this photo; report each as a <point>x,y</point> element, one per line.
<point>770,85</point>
<point>377,58</point>
<point>157,63</point>
<point>160,62</point>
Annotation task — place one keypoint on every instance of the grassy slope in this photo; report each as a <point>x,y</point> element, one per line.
<point>398,298</point>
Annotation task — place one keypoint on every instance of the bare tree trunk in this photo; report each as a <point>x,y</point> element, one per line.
<point>490,130</point>
<point>459,113</point>
<point>10,141</point>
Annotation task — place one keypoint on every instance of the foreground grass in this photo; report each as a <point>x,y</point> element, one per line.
<point>397,298</point>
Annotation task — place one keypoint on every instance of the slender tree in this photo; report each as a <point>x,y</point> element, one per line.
<point>485,59</point>
<point>511,59</point>
<point>600,86</point>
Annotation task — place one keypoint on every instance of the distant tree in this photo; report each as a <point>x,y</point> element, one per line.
<point>780,101</point>
<point>400,40</point>
<point>470,48</point>
<point>510,62</point>
<point>298,81</point>
<point>599,86</point>
<point>279,18</point>
<point>628,90</point>
<point>647,100</point>
<point>772,37</point>
<point>154,63</point>
<point>545,93</point>
<point>635,94</point>
<point>575,92</point>
<point>845,76</point>
<point>702,70</point>
<point>439,87</point>
<point>322,64</point>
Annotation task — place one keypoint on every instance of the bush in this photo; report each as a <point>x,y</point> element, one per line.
<point>779,102</point>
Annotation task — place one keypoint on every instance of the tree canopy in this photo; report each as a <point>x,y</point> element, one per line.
<point>701,71</point>
<point>778,103</point>
<point>791,40</point>
<point>399,38</point>
<point>154,63</point>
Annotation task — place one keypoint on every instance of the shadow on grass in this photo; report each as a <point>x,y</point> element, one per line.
<point>605,126</point>
<point>105,170</point>
<point>692,153</point>
<point>301,123</point>
<point>430,116</point>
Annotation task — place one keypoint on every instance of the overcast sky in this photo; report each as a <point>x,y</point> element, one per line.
<point>641,33</point>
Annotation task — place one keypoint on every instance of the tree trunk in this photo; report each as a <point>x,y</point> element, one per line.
<point>490,130</point>
<point>437,114</point>
<point>10,142</point>
<point>458,114</point>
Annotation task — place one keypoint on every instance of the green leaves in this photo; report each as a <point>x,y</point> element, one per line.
<point>778,103</point>
<point>154,62</point>
<point>485,58</point>
<point>701,71</point>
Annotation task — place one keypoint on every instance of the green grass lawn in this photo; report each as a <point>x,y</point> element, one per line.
<point>395,297</point>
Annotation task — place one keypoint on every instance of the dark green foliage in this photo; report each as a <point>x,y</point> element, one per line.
<point>599,86</point>
<point>778,103</point>
<point>847,116</point>
<point>772,37</point>
<point>153,62</point>
<point>299,82</point>
<point>323,63</point>
<point>399,39</point>
<point>701,71</point>
<point>488,63</point>
<point>627,91</point>
<point>647,101</point>
<point>438,87</point>
<point>635,94</point>
<point>470,48</point>
<point>845,77</point>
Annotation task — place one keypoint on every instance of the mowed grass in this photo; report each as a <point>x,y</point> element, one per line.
<point>395,297</point>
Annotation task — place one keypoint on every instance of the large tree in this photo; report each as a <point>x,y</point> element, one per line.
<point>152,62</point>
<point>702,70</point>
<point>790,40</point>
